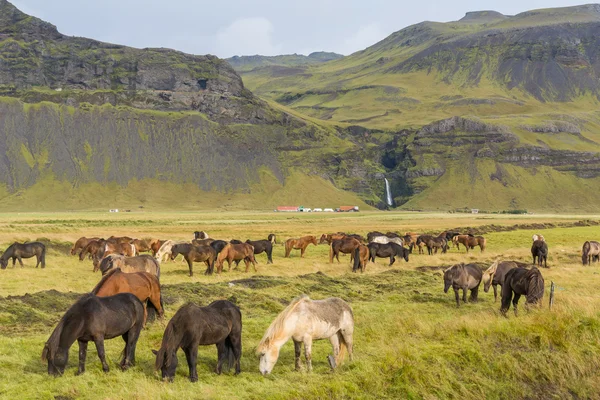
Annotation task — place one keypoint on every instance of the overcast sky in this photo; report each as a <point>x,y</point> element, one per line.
<point>246,27</point>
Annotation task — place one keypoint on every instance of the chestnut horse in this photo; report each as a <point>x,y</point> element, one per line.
<point>299,244</point>
<point>94,247</point>
<point>142,285</point>
<point>346,246</point>
<point>155,245</point>
<point>330,237</point>
<point>80,244</point>
<point>141,245</point>
<point>361,258</point>
<point>236,252</point>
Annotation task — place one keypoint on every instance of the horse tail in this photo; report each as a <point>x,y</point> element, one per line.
<point>104,279</point>
<point>343,348</point>
<point>356,265</point>
<point>535,290</point>
<point>229,354</point>
<point>585,252</point>
<point>507,291</point>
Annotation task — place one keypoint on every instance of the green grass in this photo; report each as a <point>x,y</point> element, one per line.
<point>410,339</point>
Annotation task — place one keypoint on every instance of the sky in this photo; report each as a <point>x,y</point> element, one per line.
<point>247,27</point>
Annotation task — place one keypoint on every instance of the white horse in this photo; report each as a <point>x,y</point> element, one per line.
<point>385,239</point>
<point>305,320</point>
<point>164,253</point>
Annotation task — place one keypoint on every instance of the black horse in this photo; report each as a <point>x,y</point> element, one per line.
<point>96,319</point>
<point>218,323</point>
<point>539,249</point>
<point>390,250</point>
<point>522,281</point>
<point>262,246</point>
<point>17,251</point>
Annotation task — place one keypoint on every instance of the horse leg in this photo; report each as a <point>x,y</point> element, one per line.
<point>247,264</point>
<point>474,294</point>
<point>465,289</point>
<point>191,355</point>
<point>308,353</point>
<point>190,265</point>
<point>495,293</point>
<point>302,249</point>
<point>270,256</point>
<point>335,345</point>
<point>82,356</point>
<point>392,260</point>
<point>457,297</point>
<point>101,354</point>
<point>515,302</point>
<point>347,336</point>
<point>297,353</point>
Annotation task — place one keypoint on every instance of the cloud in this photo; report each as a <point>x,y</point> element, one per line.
<point>247,36</point>
<point>367,35</point>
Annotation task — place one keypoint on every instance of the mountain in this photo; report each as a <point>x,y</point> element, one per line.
<point>87,124</point>
<point>491,111</point>
<point>248,63</point>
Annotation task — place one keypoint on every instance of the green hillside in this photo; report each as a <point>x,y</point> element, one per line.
<point>526,88</point>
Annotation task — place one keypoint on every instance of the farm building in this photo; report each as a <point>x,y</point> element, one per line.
<point>287,209</point>
<point>348,209</point>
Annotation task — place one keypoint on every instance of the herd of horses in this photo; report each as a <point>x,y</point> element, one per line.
<point>130,285</point>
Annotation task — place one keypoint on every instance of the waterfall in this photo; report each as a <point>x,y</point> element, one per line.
<point>388,193</point>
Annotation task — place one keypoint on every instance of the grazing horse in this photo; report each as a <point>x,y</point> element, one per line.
<point>330,237</point>
<point>539,250</point>
<point>589,252</point>
<point>142,285</point>
<point>361,258</point>
<point>93,248</point>
<point>262,246</point>
<point>141,245</point>
<point>192,253</point>
<point>305,320</point>
<point>95,318</point>
<point>128,265</point>
<point>80,244</point>
<point>521,281</point>
<point>219,323</point>
<point>390,250</point>
<point>422,242</point>
<point>465,277</point>
<point>435,243</point>
<point>201,235</point>
<point>236,252</point>
<point>164,253</point>
<point>346,246</point>
<point>494,276</point>
<point>272,238</point>
<point>299,244</point>
<point>18,251</point>
<point>155,245</point>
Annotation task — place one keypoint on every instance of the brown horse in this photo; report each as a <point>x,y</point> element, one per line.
<point>155,245</point>
<point>590,251</point>
<point>361,258</point>
<point>124,249</point>
<point>141,245</point>
<point>202,242</point>
<point>236,252</point>
<point>299,244</point>
<point>469,242</point>
<point>346,246</point>
<point>465,277</point>
<point>119,239</point>
<point>192,253</point>
<point>330,237</point>
<point>80,244</point>
<point>92,248</point>
<point>144,263</point>
<point>142,285</point>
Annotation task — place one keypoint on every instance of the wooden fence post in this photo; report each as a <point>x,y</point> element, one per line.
<point>551,295</point>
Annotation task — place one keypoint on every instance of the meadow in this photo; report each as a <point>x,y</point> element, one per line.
<point>410,339</point>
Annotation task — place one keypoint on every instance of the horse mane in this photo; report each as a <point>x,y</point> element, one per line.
<point>104,279</point>
<point>171,340</point>
<point>277,325</point>
<point>491,271</point>
<point>535,287</point>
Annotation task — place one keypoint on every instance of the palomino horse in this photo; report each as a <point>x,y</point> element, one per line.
<point>144,263</point>
<point>305,320</point>
<point>494,276</point>
<point>299,244</point>
<point>539,250</point>
<point>164,252</point>
<point>521,281</point>
<point>142,285</point>
<point>95,318</point>
<point>18,251</point>
<point>218,323</point>
<point>589,252</point>
<point>80,244</point>
<point>361,258</point>
<point>236,252</point>
<point>346,246</point>
<point>465,277</point>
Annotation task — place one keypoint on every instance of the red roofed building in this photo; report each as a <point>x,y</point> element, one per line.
<point>287,209</point>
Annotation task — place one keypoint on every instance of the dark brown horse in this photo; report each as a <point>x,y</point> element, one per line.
<point>384,250</point>
<point>421,242</point>
<point>465,277</point>
<point>361,258</point>
<point>494,275</point>
<point>521,281</point>
<point>192,253</point>
<point>122,248</point>
<point>436,243</point>
<point>262,246</point>
<point>80,244</point>
<point>93,248</point>
<point>202,242</point>
<point>346,246</point>
<point>142,285</point>
<point>590,251</point>
<point>219,323</point>
<point>539,250</point>
<point>236,252</point>
<point>119,239</point>
<point>299,244</point>
<point>18,251</point>
<point>96,319</point>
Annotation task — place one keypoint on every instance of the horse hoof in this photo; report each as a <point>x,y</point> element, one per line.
<point>193,379</point>
<point>331,360</point>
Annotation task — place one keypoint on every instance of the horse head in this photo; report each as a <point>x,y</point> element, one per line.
<point>268,355</point>
<point>167,369</point>
<point>174,251</point>
<point>313,240</point>
<point>323,238</point>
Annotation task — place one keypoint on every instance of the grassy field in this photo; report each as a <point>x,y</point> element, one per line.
<point>410,339</point>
